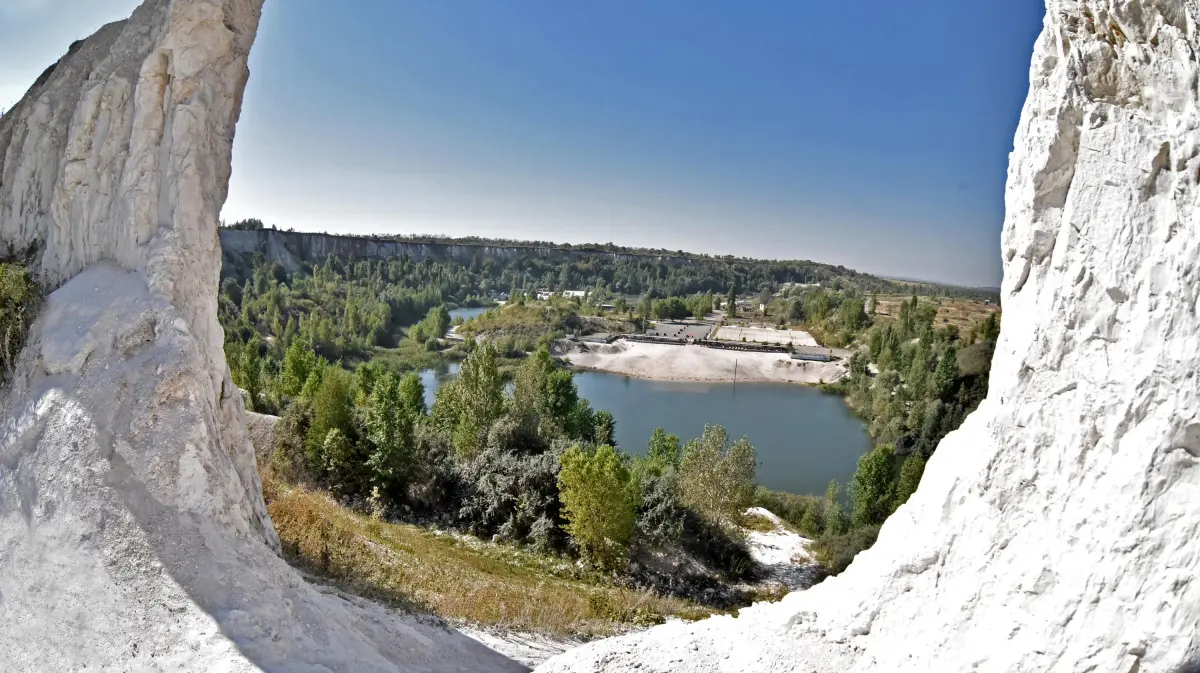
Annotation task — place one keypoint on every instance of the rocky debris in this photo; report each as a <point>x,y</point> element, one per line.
<point>261,430</point>
<point>133,533</point>
<point>1056,529</point>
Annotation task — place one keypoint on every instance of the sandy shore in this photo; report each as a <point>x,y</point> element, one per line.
<point>696,363</point>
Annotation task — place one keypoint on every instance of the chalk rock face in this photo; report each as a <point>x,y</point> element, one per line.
<point>1059,528</point>
<point>133,534</point>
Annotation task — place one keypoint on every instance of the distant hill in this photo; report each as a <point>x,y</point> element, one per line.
<point>636,270</point>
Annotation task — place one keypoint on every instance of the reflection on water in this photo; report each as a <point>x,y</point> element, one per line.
<point>803,437</point>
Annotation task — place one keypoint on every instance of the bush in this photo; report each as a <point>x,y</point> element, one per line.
<point>835,552</point>
<point>512,496</point>
<point>600,500</point>
<point>660,518</point>
<point>289,460</point>
<point>20,298</point>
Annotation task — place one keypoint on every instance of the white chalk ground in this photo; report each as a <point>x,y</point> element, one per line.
<point>697,363</point>
<point>768,335</point>
<point>528,649</point>
<point>782,553</point>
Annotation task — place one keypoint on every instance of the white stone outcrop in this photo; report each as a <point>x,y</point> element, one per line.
<point>1059,528</point>
<point>133,534</point>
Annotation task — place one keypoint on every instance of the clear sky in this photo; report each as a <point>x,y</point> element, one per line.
<point>873,134</point>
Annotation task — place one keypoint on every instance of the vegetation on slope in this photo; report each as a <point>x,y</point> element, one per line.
<point>458,578</point>
<point>20,298</point>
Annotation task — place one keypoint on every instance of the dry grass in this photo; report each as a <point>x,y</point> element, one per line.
<point>462,580</point>
<point>962,313</point>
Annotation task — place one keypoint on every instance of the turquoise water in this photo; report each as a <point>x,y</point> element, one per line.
<point>803,437</point>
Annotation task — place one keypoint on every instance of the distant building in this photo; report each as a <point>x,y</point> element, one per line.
<point>812,353</point>
<point>570,294</point>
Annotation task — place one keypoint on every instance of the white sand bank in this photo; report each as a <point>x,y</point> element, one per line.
<point>765,335</point>
<point>696,363</point>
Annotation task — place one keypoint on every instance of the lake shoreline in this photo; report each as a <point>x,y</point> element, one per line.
<point>695,364</point>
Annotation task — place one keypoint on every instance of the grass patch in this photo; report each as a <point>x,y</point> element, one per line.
<point>459,579</point>
<point>758,523</point>
<point>407,356</point>
<point>964,314</point>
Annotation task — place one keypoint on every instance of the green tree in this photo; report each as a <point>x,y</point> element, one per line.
<point>620,305</point>
<point>990,329</point>
<point>872,489</point>
<point>716,476</point>
<point>469,405</point>
<point>412,395</point>
<point>333,409</point>
<point>600,501</point>
<point>836,521</point>
<point>910,477</point>
<point>645,307</point>
<point>918,371</point>
<point>389,428</point>
<point>298,363</point>
<point>663,452</point>
<point>945,374</point>
<point>249,372</point>
<point>605,428</point>
<point>851,314</point>
<point>731,303</point>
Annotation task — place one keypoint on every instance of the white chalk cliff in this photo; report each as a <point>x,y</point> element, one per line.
<point>1059,528</point>
<point>133,534</point>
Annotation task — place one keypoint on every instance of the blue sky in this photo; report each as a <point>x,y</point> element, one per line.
<point>873,134</point>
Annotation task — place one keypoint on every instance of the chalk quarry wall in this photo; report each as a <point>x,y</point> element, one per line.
<point>1059,528</point>
<point>133,534</point>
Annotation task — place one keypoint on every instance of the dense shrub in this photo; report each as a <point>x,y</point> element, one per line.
<point>660,518</point>
<point>835,552</point>
<point>513,497</point>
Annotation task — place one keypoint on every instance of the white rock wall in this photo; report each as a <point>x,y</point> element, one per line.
<point>133,534</point>
<point>122,152</point>
<point>1059,528</point>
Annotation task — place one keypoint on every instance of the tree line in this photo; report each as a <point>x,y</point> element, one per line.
<point>523,459</point>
